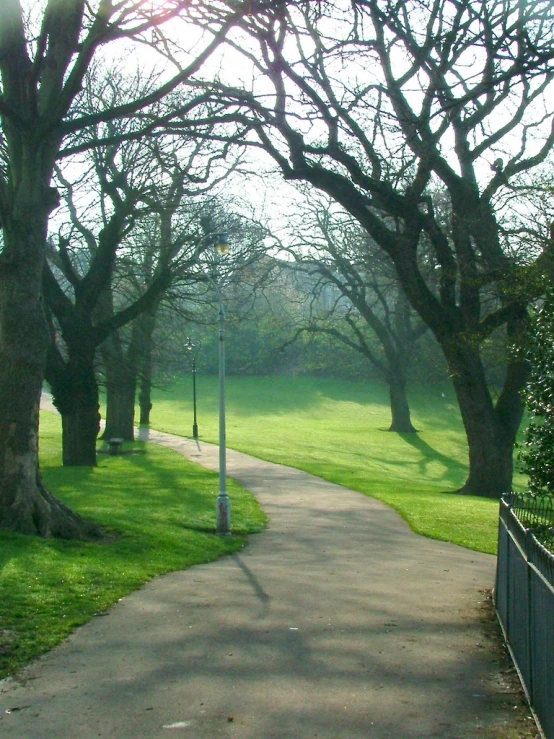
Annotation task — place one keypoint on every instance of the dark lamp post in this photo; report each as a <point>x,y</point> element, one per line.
<point>190,346</point>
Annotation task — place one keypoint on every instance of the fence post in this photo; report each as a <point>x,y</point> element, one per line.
<point>530,611</point>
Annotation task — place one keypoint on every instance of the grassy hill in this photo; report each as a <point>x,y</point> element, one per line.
<point>338,430</point>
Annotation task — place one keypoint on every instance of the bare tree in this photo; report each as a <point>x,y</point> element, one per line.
<point>45,52</point>
<point>383,104</point>
<point>133,230</point>
<point>356,296</point>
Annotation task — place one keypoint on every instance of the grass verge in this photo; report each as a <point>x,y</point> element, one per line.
<point>338,431</point>
<point>159,507</point>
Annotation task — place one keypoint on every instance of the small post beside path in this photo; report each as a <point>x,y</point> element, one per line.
<point>115,445</point>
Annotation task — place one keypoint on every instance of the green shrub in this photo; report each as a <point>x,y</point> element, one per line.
<point>537,452</point>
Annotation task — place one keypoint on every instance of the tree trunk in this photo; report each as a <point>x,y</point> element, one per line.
<point>400,409</point>
<point>122,366</point>
<point>148,325</point>
<point>491,431</point>
<point>75,395</point>
<point>121,387</point>
<point>25,505</point>
<point>490,461</point>
<point>79,432</point>
<point>145,394</point>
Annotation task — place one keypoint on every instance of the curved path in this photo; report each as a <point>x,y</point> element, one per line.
<point>336,622</point>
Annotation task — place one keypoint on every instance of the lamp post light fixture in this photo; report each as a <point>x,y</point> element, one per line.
<point>222,245</point>
<point>190,347</point>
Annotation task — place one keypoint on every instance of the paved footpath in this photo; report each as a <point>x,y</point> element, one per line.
<point>336,622</point>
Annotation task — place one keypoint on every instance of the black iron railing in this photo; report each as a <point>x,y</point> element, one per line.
<point>524,596</point>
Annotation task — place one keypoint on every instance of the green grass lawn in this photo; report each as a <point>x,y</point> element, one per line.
<point>159,507</point>
<point>338,430</point>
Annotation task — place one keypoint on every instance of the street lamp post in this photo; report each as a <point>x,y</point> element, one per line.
<point>223,504</point>
<point>190,346</point>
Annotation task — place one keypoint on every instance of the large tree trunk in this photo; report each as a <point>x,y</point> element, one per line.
<point>80,429</point>
<point>25,505</point>
<point>121,388</point>
<point>122,367</point>
<point>491,430</point>
<point>400,409</point>
<point>75,395</point>
<point>490,460</point>
<point>125,369</point>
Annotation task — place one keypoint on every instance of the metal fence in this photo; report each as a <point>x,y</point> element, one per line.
<point>524,595</point>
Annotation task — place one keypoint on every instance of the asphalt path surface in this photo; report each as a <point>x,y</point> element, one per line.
<point>335,622</point>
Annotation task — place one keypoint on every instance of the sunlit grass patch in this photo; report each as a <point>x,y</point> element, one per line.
<point>338,431</point>
<point>159,511</point>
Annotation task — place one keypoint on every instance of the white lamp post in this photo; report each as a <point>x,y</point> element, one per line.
<point>223,504</point>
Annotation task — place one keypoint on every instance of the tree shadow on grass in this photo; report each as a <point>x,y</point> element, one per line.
<point>278,395</point>
<point>455,471</point>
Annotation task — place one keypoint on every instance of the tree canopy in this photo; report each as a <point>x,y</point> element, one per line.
<point>417,118</point>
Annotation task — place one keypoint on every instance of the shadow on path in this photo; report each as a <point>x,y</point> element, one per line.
<point>336,622</point>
